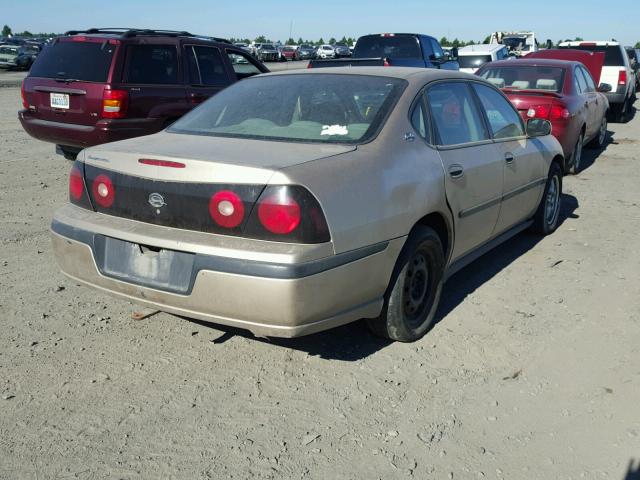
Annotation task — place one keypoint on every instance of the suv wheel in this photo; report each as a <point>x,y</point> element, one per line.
<point>546,218</point>
<point>414,291</point>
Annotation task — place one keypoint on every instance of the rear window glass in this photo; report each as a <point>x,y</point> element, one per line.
<point>473,61</point>
<point>612,53</point>
<point>154,64</point>
<point>327,108</point>
<point>376,46</point>
<point>524,77</point>
<point>85,61</point>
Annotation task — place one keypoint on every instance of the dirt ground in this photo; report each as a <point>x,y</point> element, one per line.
<point>533,371</point>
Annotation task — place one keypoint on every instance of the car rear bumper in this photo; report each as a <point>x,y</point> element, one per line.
<point>284,299</point>
<point>616,97</point>
<point>82,136</point>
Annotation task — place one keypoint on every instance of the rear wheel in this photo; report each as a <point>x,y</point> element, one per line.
<point>414,291</point>
<point>69,153</point>
<point>548,213</point>
<point>576,157</point>
<point>600,140</point>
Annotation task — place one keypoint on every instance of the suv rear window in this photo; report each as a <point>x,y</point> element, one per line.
<point>153,64</point>
<point>398,46</point>
<point>85,61</point>
<point>612,53</point>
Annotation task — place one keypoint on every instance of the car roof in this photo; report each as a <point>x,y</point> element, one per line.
<point>485,47</point>
<point>599,43</point>
<point>411,74</point>
<point>534,62</point>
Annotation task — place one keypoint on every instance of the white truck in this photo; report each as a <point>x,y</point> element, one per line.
<point>519,44</point>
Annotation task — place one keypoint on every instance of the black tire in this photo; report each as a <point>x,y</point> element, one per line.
<point>600,140</point>
<point>576,156</point>
<point>619,112</point>
<point>67,152</point>
<point>545,222</point>
<point>413,294</point>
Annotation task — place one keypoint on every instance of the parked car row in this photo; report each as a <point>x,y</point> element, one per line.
<point>18,56</point>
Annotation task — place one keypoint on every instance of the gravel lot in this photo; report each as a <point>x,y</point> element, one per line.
<point>533,371</point>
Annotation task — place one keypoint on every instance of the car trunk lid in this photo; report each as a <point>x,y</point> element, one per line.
<point>524,100</point>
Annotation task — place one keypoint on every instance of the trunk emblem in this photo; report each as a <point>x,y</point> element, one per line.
<point>156,200</point>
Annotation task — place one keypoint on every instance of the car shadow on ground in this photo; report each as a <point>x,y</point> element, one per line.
<point>354,342</point>
<point>633,472</point>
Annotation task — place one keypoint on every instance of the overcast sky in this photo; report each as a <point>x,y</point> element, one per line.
<point>464,19</point>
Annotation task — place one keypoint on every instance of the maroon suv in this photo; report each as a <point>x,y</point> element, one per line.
<point>101,85</point>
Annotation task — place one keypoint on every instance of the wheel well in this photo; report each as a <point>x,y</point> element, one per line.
<point>441,227</point>
<point>559,160</point>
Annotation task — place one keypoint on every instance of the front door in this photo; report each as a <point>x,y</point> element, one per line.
<point>473,171</point>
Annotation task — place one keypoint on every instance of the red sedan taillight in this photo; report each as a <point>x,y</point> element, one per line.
<point>548,112</point>
<point>226,209</point>
<point>279,213</point>
<point>77,191</point>
<point>622,77</point>
<point>115,103</point>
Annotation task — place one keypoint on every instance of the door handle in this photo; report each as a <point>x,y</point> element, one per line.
<point>509,158</point>
<point>456,171</point>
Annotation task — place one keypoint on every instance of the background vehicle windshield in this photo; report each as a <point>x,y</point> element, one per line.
<point>268,47</point>
<point>87,61</point>
<point>612,53</point>
<point>398,46</point>
<point>316,108</point>
<point>473,61</point>
<point>525,77</point>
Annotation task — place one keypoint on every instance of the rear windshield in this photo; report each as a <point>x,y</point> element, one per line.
<point>326,108</point>
<point>612,53</point>
<point>473,61</point>
<point>85,61</point>
<point>376,46</point>
<point>523,77</point>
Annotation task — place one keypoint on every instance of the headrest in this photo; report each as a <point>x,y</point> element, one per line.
<point>546,84</point>
<point>521,84</point>
<point>496,82</point>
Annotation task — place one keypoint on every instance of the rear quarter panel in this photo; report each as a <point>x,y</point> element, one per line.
<point>379,191</point>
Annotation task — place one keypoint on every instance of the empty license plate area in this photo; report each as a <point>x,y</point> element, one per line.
<point>59,100</point>
<point>162,269</point>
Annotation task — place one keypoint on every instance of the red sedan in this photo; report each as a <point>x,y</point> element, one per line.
<point>560,91</point>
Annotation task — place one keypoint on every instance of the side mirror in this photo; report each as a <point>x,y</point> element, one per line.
<point>604,88</point>
<point>537,127</point>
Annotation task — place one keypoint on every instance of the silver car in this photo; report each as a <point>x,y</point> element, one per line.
<point>294,202</point>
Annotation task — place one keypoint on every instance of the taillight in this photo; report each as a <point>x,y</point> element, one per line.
<point>279,213</point>
<point>386,63</point>
<point>25,104</point>
<point>76,184</point>
<point>114,103</point>
<point>622,77</point>
<point>104,193</point>
<point>548,112</point>
<point>226,209</point>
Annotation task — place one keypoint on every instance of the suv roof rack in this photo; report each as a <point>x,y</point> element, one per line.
<point>141,32</point>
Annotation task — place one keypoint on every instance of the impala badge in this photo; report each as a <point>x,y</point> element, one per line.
<point>156,200</point>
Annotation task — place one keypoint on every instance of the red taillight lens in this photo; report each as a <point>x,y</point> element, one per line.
<point>539,111</point>
<point>279,213</point>
<point>558,112</point>
<point>227,209</point>
<point>104,193</point>
<point>622,77</point>
<point>25,104</point>
<point>114,103</point>
<point>386,63</point>
<point>76,184</point>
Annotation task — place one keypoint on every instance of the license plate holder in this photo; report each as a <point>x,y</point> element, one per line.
<point>59,100</point>
<point>161,269</point>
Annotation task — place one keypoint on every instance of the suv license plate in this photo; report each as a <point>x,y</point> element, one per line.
<point>59,100</point>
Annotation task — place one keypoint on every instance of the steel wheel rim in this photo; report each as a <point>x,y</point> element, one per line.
<point>577,155</point>
<point>552,201</point>
<point>603,131</point>
<point>416,287</point>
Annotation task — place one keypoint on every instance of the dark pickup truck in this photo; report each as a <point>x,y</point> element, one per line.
<point>397,50</point>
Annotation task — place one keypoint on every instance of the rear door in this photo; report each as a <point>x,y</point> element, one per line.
<point>521,162</point>
<point>67,80</point>
<point>473,171</point>
<point>206,72</point>
<point>593,103</point>
<point>153,78</point>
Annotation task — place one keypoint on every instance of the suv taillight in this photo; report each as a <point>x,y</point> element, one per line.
<point>114,103</point>
<point>25,104</point>
<point>622,77</point>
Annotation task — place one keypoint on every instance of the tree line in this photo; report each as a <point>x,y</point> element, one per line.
<point>444,41</point>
